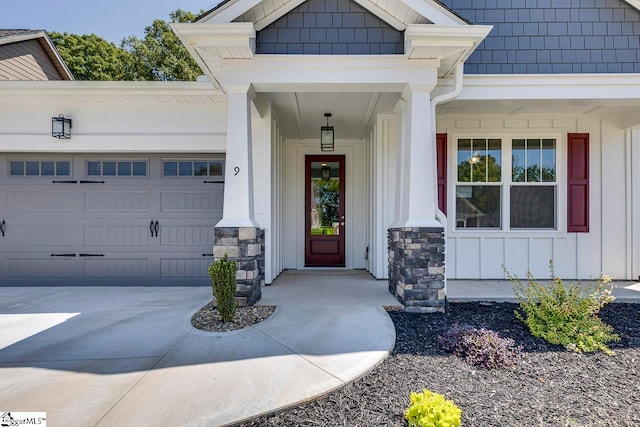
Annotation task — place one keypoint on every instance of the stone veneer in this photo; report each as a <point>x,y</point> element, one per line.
<point>245,246</point>
<point>416,268</point>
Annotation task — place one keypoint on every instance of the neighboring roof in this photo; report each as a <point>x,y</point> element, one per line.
<point>8,36</point>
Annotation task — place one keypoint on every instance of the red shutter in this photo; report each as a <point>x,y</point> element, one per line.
<point>578,183</point>
<point>441,156</point>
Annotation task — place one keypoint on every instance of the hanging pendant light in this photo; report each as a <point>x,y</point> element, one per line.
<point>326,135</point>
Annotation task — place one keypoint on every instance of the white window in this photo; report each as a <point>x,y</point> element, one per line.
<point>33,167</point>
<point>190,168</point>
<point>494,191</point>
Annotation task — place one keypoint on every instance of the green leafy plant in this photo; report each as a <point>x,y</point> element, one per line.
<point>429,409</point>
<point>480,347</point>
<point>223,283</point>
<point>566,315</point>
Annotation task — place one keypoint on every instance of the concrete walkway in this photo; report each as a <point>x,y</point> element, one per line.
<point>129,357</point>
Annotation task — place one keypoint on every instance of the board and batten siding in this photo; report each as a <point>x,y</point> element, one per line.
<point>26,60</point>
<point>606,247</point>
<point>382,157</point>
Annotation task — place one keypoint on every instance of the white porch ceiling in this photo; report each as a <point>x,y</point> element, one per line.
<point>301,114</point>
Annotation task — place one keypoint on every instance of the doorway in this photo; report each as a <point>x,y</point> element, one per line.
<point>324,211</point>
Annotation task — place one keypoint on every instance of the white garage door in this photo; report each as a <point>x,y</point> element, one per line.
<point>96,220</point>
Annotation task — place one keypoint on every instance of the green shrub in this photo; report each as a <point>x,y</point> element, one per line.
<point>223,283</point>
<point>429,409</point>
<point>566,315</point>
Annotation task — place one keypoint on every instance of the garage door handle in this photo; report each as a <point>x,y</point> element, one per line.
<point>213,182</point>
<point>3,226</point>
<point>151,228</point>
<point>207,254</point>
<point>156,227</point>
<point>91,182</point>
<point>90,255</point>
<point>65,255</point>
<point>65,182</point>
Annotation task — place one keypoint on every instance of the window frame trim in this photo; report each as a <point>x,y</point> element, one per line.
<point>39,159</point>
<point>85,170</point>
<point>507,135</point>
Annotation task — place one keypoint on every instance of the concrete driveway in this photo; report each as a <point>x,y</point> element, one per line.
<point>129,356</point>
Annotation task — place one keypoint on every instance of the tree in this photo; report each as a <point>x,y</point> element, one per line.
<point>90,57</point>
<point>160,55</point>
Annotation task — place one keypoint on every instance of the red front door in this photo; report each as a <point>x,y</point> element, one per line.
<point>324,211</point>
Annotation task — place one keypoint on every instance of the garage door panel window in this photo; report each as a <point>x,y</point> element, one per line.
<point>191,168</point>
<point>128,168</point>
<point>524,192</point>
<point>19,168</point>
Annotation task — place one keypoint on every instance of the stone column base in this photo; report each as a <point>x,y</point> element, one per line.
<point>416,268</point>
<point>245,246</point>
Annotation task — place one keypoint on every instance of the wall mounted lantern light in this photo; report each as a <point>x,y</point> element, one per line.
<point>60,127</point>
<point>326,135</point>
<point>326,172</point>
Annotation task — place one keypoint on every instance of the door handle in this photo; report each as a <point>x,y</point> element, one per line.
<point>90,255</point>
<point>151,228</point>
<point>65,255</point>
<point>3,226</point>
<point>156,227</point>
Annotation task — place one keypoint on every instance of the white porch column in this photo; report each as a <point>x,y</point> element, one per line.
<point>238,177</point>
<point>418,195</point>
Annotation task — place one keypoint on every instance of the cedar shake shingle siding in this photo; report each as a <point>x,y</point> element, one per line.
<point>26,60</point>
<point>553,36</point>
<point>330,27</point>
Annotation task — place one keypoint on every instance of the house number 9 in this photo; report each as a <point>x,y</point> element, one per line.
<point>236,170</point>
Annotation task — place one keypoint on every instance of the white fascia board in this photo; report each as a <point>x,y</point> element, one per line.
<point>382,14</point>
<point>108,88</point>
<point>277,14</point>
<point>230,11</point>
<point>435,12</point>
<point>330,73</point>
<point>229,34</point>
<point>634,3</point>
<point>425,35</point>
<point>557,86</point>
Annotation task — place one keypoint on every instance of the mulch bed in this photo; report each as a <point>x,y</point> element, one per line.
<point>549,387</point>
<point>208,318</point>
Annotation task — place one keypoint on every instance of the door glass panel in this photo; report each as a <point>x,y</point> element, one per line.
<point>325,199</point>
<point>109,168</point>
<point>33,168</point>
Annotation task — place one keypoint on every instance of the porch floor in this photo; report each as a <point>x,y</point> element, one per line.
<point>358,287</point>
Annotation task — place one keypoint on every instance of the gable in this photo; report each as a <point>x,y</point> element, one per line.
<point>554,36</point>
<point>26,60</point>
<point>330,27</point>
<point>398,13</point>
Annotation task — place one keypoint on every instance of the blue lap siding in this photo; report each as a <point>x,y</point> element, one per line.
<point>553,36</point>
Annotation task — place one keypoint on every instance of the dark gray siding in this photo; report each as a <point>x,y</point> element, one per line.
<point>330,27</point>
<point>553,36</point>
